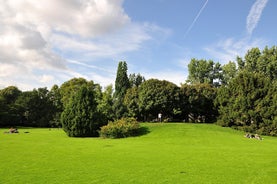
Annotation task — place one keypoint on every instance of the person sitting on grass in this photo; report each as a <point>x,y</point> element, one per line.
<point>13,130</point>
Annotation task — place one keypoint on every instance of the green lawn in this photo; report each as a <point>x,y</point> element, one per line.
<point>170,153</point>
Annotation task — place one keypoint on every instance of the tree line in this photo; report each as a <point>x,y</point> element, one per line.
<point>241,94</point>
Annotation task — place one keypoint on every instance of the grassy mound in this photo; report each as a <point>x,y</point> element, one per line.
<point>170,153</point>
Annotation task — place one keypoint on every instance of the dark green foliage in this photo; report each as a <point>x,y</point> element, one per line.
<point>136,80</point>
<point>156,97</point>
<point>8,109</point>
<point>131,101</point>
<point>55,98</point>
<point>122,84</point>
<point>81,117</point>
<point>106,103</point>
<point>121,128</point>
<point>198,102</point>
<point>70,88</point>
<point>36,108</point>
<point>248,103</point>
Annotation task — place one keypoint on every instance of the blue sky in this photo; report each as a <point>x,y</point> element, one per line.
<point>48,42</point>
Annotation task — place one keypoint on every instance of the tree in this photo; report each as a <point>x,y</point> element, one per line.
<point>36,108</point>
<point>81,117</point>
<point>8,109</point>
<point>203,71</point>
<point>55,97</point>
<point>122,84</point>
<point>157,96</point>
<point>198,104</point>
<point>229,71</point>
<point>249,102</point>
<point>131,101</point>
<point>106,103</point>
<point>136,80</point>
<point>70,88</point>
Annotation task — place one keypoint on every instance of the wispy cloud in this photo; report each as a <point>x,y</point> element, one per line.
<point>255,15</point>
<point>195,19</point>
<point>228,49</point>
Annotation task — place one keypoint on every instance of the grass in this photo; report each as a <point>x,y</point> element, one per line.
<point>170,153</point>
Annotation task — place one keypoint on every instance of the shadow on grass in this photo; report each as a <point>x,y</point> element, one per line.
<point>142,131</point>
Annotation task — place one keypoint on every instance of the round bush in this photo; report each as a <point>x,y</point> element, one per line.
<point>121,128</point>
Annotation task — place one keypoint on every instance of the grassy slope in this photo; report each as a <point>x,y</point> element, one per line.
<point>170,153</point>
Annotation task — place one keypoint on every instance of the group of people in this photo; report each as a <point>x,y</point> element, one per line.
<point>253,136</point>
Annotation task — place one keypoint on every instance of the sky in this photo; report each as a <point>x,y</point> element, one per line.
<point>48,42</point>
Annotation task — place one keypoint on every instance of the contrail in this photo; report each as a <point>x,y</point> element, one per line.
<point>255,15</point>
<point>195,19</point>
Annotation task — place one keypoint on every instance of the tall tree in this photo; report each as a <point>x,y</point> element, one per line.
<point>122,84</point>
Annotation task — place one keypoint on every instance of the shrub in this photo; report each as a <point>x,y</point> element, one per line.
<point>80,117</point>
<point>124,127</point>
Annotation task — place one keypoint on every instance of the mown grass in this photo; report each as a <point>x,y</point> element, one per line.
<point>169,153</point>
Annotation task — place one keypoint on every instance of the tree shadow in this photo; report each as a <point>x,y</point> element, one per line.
<point>142,131</point>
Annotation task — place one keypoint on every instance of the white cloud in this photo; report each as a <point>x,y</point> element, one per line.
<point>255,15</point>
<point>38,37</point>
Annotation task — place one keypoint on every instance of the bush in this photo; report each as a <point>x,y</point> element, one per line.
<point>80,117</point>
<point>124,127</point>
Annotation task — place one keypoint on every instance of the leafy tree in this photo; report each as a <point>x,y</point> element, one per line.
<point>55,97</point>
<point>229,71</point>
<point>122,84</point>
<point>131,101</point>
<point>248,102</point>
<point>106,103</point>
<point>70,88</point>
<point>8,109</point>
<point>204,71</point>
<point>157,96</point>
<point>199,102</point>
<point>81,117</point>
<point>36,107</point>
<point>136,80</point>
<point>200,71</point>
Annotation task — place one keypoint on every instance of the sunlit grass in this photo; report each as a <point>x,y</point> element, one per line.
<point>169,153</point>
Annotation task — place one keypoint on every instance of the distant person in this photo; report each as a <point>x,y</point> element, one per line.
<point>13,130</point>
<point>160,117</point>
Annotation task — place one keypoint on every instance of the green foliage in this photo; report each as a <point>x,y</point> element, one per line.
<point>70,88</point>
<point>247,103</point>
<point>156,96</point>
<point>81,117</point>
<point>131,101</point>
<point>36,108</point>
<point>106,103</point>
<point>124,127</point>
<point>199,102</point>
<point>122,84</point>
<point>8,109</point>
<point>203,71</point>
<point>136,80</point>
<point>229,71</point>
